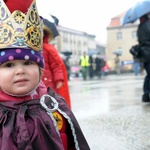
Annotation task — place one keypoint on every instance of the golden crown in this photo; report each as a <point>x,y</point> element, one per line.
<point>21,30</point>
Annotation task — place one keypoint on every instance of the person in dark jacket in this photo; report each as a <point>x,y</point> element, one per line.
<point>67,64</point>
<point>91,66</point>
<point>98,66</point>
<point>143,34</point>
<point>32,116</point>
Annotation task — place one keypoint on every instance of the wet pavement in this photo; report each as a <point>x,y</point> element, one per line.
<point>110,112</point>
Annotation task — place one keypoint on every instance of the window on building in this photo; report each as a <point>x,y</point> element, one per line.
<point>79,53</point>
<point>79,45</point>
<point>119,35</point>
<point>134,34</point>
<point>65,40</point>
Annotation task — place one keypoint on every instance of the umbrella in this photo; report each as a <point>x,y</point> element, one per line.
<point>129,17</point>
<point>75,69</point>
<point>66,53</point>
<point>138,10</point>
<point>92,52</point>
<point>119,53</point>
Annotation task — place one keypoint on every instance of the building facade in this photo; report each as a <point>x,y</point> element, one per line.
<point>77,42</point>
<point>119,40</point>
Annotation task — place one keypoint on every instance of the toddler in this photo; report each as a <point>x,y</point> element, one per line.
<point>31,117</point>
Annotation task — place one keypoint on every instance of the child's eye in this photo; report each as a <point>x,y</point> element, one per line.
<point>28,63</point>
<point>8,65</point>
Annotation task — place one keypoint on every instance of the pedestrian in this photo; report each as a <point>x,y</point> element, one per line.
<point>55,74</point>
<point>84,63</point>
<point>91,67</point>
<point>67,64</point>
<point>99,64</point>
<point>105,69</point>
<point>117,64</point>
<point>143,33</point>
<point>136,66</point>
<point>32,117</point>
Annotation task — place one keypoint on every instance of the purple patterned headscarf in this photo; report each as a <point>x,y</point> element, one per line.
<point>21,54</point>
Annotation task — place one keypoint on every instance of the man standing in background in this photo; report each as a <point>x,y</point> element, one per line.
<point>117,64</point>
<point>84,63</point>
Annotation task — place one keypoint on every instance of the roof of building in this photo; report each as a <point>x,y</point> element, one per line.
<point>65,29</point>
<point>116,21</point>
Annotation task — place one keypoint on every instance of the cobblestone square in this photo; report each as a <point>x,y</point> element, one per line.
<point>108,121</point>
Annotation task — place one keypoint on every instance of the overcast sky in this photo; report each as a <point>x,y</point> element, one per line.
<point>91,16</point>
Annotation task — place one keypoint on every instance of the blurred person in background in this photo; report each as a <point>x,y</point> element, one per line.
<point>117,64</point>
<point>84,63</point>
<point>105,69</point>
<point>55,73</point>
<point>99,64</point>
<point>91,66</point>
<point>136,66</point>
<point>67,64</point>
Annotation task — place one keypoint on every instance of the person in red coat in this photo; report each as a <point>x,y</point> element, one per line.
<point>55,73</point>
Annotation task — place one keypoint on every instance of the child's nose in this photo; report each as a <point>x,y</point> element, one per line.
<point>20,69</point>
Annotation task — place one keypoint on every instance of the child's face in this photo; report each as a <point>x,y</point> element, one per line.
<point>19,77</point>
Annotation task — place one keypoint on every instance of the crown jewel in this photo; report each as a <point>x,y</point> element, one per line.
<point>20,30</point>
